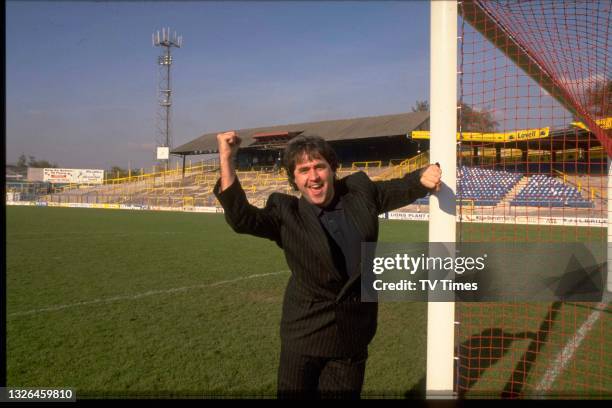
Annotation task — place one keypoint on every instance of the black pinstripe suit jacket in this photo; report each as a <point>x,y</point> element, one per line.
<point>322,312</point>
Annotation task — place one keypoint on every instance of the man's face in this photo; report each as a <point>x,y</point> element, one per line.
<point>315,180</point>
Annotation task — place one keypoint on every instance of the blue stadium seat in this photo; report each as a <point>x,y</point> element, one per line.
<point>487,187</point>
<point>546,191</point>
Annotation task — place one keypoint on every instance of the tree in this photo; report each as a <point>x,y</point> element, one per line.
<point>421,106</point>
<point>473,120</point>
<point>117,172</point>
<point>39,163</point>
<point>599,99</point>
<point>22,162</point>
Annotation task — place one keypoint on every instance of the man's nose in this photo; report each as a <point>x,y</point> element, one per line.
<point>313,174</point>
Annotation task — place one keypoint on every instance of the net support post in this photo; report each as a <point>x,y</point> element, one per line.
<point>609,252</point>
<point>442,205</point>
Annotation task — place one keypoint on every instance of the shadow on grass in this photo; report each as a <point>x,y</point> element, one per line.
<point>480,352</point>
<point>476,355</point>
<point>515,384</point>
<point>417,391</point>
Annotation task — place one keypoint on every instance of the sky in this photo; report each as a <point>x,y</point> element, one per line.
<point>82,77</point>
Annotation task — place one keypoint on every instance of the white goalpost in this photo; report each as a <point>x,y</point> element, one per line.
<point>442,217</point>
<point>518,74</point>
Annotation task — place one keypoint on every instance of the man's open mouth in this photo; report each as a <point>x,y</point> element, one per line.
<point>316,188</point>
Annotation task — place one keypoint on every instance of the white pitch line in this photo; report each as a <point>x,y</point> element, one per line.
<point>565,356</point>
<point>44,237</point>
<point>93,233</point>
<point>141,295</point>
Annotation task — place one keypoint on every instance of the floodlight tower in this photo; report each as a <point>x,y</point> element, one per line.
<point>164,61</point>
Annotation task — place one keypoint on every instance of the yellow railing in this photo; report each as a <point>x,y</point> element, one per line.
<point>562,174</point>
<point>569,155</point>
<point>593,192</point>
<point>202,173</point>
<point>466,203</point>
<point>366,165</point>
<point>262,168</point>
<point>566,180</point>
<point>395,162</point>
<point>344,172</point>
<point>168,173</point>
<point>405,166</point>
<point>205,179</point>
<point>170,188</point>
<point>597,152</point>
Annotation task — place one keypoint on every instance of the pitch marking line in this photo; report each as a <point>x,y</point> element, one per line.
<point>50,236</point>
<point>141,295</point>
<point>565,356</point>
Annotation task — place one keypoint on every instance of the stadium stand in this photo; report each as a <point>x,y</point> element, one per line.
<point>483,187</point>
<point>476,186</point>
<point>488,187</point>
<point>194,187</point>
<point>546,191</point>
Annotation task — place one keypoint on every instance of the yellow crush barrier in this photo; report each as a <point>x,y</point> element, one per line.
<point>467,201</point>
<point>169,173</point>
<point>188,201</point>
<point>343,173</point>
<point>569,154</point>
<point>539,154</point>
<point>597,153</point>
<point>395,162</point>
<point>404,167</point>
<point>562,174</point>
<point>366,164</point>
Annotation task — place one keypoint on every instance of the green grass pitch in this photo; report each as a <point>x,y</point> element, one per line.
<point>135,303</point>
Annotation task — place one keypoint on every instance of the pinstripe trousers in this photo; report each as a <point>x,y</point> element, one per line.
<point>314,377</point>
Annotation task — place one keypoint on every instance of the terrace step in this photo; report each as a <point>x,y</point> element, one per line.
<point>505,201</point>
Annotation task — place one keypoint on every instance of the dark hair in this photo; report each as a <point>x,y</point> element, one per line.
<point>314,147</point>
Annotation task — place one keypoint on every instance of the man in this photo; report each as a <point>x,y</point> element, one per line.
<point>325,328</point>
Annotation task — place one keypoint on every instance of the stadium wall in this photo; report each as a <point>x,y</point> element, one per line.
<point>394,215</point>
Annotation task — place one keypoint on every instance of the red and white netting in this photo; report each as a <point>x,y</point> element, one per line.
<point>535,86</point>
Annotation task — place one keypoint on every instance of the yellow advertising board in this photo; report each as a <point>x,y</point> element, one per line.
<point>605,123</point>
<point>505,137</point>
<point>597,153</point>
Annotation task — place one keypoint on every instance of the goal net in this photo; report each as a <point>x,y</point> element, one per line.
<point>534,120</point>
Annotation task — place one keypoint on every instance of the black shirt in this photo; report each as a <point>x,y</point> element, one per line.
<point>343,237</point>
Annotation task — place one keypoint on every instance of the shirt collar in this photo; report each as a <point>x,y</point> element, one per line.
<point>335,204</point>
